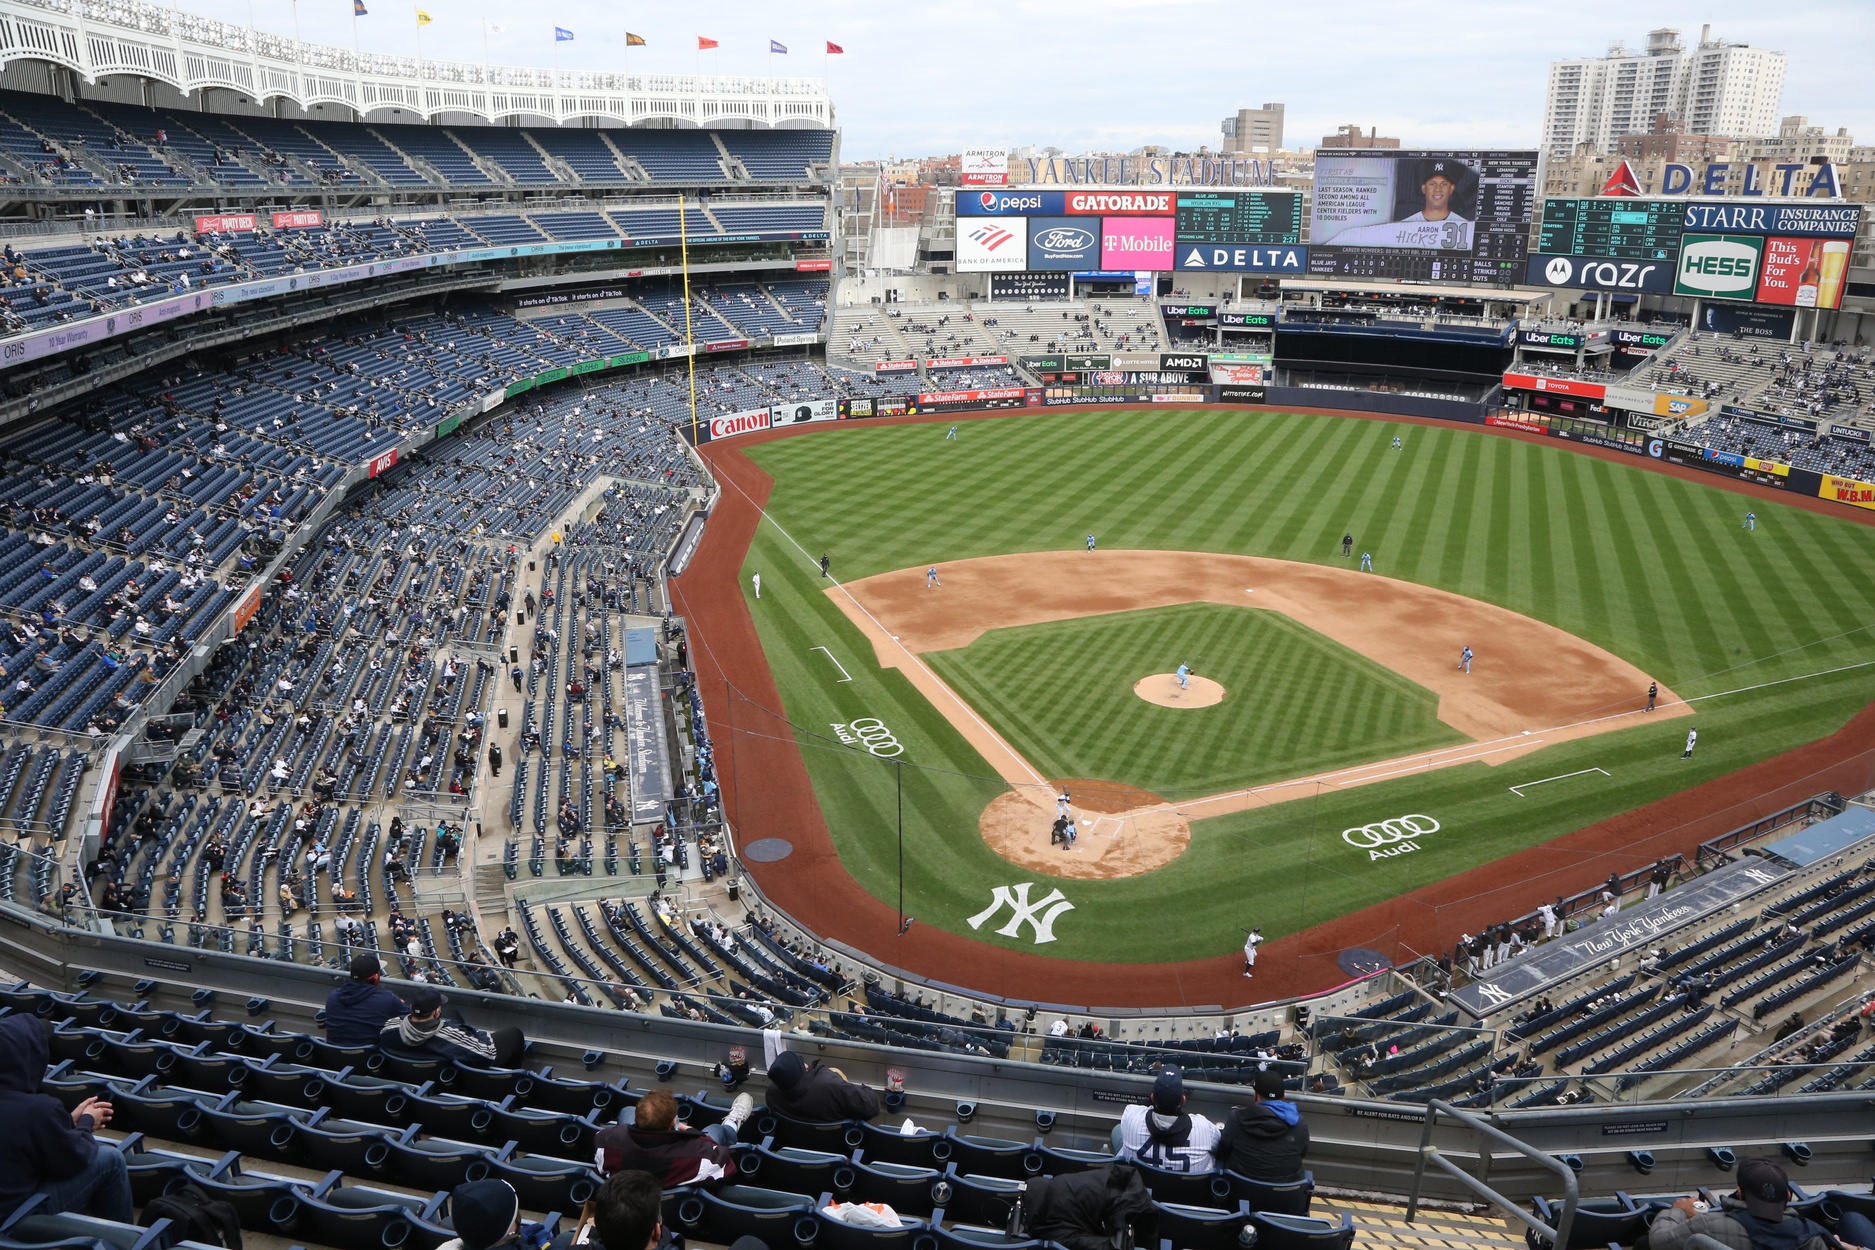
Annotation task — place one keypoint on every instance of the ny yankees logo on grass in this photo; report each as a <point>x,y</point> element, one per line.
<point>1039,915</point>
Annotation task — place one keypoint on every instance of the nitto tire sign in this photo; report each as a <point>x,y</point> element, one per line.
<point>1719,266</point>
<point>1592,273</point>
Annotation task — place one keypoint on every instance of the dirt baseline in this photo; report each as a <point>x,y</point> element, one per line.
<point>1528,685</point>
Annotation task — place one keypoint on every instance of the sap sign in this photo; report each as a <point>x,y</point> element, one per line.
<point>1063,243</point>
<point>1592,273</point>
<point>1010,203</point>
<point>1240,258</point>
<point>1724,266</point>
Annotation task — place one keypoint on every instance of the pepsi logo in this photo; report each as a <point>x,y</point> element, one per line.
<point>988,200</point>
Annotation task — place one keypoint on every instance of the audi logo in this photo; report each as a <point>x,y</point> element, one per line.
<point>1399,829</point>
<point>875,737</point>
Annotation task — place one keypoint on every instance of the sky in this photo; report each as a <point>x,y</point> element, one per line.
<point>1110,75</point>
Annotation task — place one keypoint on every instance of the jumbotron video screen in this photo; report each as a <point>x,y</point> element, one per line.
<point>1460,217</point>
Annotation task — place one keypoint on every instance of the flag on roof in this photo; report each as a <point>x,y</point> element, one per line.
<point>775,45</point>
<point>834,48</point>
<point>704,45</point>
<point>562,35</point>
<point>358,8</point>
<point>424,19</point>
<point>634,41</point>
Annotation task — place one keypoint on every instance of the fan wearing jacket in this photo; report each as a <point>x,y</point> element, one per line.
<point>1267,1140</point>
<point>657,1142</point>
<point>47,1149</point>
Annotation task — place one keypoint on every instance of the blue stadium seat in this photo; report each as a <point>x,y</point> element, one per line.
<point>1295,1232</point>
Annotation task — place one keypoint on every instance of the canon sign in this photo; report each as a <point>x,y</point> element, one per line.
<point>739,423</point>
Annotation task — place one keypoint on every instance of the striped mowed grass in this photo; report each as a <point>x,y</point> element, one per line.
<point>1772,632</point>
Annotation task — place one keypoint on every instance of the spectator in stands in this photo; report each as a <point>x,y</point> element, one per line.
<point>627,1212</point>
<point>484,1214</point>
<point>1754,1218</point>
<point>1165,1134</point>
<point>47,1149</point>
<point>1267,1140</point>
<point>356,1011</point>
<point>426,1031</point>
<point>657,1142</point>
<point>810,1092</point>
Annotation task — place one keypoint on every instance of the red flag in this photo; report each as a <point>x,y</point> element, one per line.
<point>704,45</point>
<point>834,48</point>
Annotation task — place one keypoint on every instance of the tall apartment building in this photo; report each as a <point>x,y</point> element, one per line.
<point>1254,130</point>
<point>1717,88</point>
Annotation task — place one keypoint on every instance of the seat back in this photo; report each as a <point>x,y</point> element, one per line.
<point>1295,1232</point>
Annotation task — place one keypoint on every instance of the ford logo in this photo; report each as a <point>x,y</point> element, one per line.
<point>1065,239</point>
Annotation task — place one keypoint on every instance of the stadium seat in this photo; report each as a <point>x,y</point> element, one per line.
<point>767,1124</point>
<point>722,1215</point>
<point>993,1156</point>
<point>791,1168</point>
<point>1282,1197</point>
<point>1598,1221</point>
<point>545,1184</point>
<point>901,1186</point>
<point>970,1237</point>
<point>1184,1227</point>
<point>835,1235</point>
<point>154,1172</point>
<point>1197,1189</point>
<point>30,1226</point>
<point>888,1145</point>
<point>977,1199</point>
<point>361,1218</point>
<point>435,1163</point>
<point>1295,1232</point>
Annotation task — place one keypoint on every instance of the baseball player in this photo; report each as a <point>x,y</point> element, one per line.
<point>1464,659</point>
<point>1692,740</point>
<point>1090,542</point>
<point>757,579</point>
<point>1653,692</point>
<point>1347,546</point>
<point>1184,677</point>
<point>1367,562</point>
<point>1397,444</point>
<point>951,435</point>
<point>1751,521</point>
<point>1251,941</point>
<point>1061,807</point>
<point>931,578</point>
<point>825,561</point>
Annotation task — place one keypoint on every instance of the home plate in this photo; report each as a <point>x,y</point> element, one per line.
<point>1248,591</point>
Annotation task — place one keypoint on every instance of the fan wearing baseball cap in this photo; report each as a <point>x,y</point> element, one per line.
<point>1164,1134</point>
<point>427,1030</point>
<point>356,1011</point>
<point>1755,1218</point>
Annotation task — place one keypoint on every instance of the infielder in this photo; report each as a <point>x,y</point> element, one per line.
<point>1367,562</point>
<point>1692,740</point>
<point>1464,659</point>
<point>1090,542</point>
<point>757,579</point>
<point>1250,943</point>
<point>1184,677</point>
<point>931,578</point>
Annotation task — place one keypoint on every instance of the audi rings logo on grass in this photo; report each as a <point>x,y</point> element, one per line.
<point>1388,838</point>
<point>869,732</point>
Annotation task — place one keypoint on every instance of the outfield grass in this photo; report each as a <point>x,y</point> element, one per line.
<point>1652,568</point>
<point>1298,703</point>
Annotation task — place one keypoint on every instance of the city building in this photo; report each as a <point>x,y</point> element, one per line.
<point>1254,130</point>
<point>1717,88</point>
<point>1668,140</point>
<point>1350,136</point>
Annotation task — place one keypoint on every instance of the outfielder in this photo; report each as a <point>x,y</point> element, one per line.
<point>951,435</point>
<point>1397,444</point>
<point>757,579</point>
<point>1751,521</point>
<point>1692,740</point>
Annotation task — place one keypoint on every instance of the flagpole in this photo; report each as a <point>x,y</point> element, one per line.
<point>419,16</point>
<point>690,341</point>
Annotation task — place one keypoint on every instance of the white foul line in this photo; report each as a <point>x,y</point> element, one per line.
<point>844,675</point>
<point>1522,786</point>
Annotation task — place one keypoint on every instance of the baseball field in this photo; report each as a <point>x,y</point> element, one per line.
<point>942,715</point>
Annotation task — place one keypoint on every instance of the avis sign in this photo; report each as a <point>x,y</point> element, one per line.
<point>1039,915</point>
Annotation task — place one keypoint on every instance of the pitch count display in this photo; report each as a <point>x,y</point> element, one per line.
<point>1238,217</point>
<point>1617,229</point>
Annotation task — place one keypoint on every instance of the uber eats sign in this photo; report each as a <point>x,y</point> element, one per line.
<point>1721,266</point>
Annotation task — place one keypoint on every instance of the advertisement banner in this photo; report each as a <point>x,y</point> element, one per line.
<point>1248,321</point>
<point>812,266</point>
<point>1556,386</point>
<point>1234,394</point>
<point>1718,266</point>
<point>726,345</point>
<point>1752,322</point>
<point>1239,258</point>
<point>1122,204</point>
<point>1239,375</point>
<point>1187,362</point>
<point>896,366</point>
<point>1646,341</point>
<point>1135,242</point>
<point>1837,221</point>
<point>855,408</point>
<point>1656,403</point>
<point>1063,243</point>
<point>628,358</point>
<point>984,167</point>
<point>1849,434</point>
<point>244,608</point>
<point>965,362</point>
<point>382,464</point>
<point>226,223</point>
<point>1029,285</point>
<point>988,245</point>
<point>795,340</point>
<point>802,411</point>
<point>298,219</point>
<point>1803,273</point>
<point>1848,490</point>
<point>1011,203</point>
<point>1546,338</point>
<point>1598,273</point>
<point>449,425</point>
<point>1529,425</point>
<point>738,423</point>
<point>935,399</point>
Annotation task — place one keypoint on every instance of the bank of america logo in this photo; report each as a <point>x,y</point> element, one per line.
<point>991,237</point>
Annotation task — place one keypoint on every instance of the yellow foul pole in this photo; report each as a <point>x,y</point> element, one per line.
<point>690,340</point>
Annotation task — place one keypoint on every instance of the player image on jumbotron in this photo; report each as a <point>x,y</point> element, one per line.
<point>1427,203</point>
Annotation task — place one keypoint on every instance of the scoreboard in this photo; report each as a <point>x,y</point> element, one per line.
<point>1251,217</point>
<point>1616,229</point>
<point>1422,216</point>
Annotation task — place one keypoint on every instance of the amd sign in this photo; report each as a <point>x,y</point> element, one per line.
<point>1594,273</point>
<point>1188,362</point>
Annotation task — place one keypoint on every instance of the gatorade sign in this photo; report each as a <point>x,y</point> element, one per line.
<point>1720,266</point>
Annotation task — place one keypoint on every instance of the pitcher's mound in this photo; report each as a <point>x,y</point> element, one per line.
<point>1163,689</point>
<point>1106,846</point>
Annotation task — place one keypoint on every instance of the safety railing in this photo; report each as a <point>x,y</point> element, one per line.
<point>1430,1154</point>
